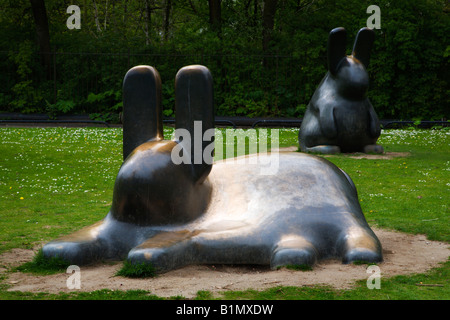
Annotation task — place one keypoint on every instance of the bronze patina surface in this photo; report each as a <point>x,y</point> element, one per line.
<point>340,117</point>
<point>171,215</point>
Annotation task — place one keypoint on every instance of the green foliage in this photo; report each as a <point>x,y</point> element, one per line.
<point>103,294</point>
<point>106,294</point>
<point>408,68</point>
<point>105,101</point>
<point>204,295</point>
<point>402,287</point>
<point>48,189</point>
<point>43,265</point>
<point>362,262</point>
<point>60,107</point>
<point>409,61</point>
<point>104,106</point>
<point>136,270</point>
<point>299,267</point>
<point>25,97</point>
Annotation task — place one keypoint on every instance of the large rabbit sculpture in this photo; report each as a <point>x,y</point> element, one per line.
<point>170,215</point>
<point>340,117</point>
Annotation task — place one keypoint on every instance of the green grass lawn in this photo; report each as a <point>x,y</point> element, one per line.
<point>54,181</point>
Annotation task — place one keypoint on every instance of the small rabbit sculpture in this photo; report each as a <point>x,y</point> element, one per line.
<point>340,117</point>
<point>171,215</point>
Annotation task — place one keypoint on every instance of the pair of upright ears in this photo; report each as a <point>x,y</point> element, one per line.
<point>337,43</point>
<point>142,97</point>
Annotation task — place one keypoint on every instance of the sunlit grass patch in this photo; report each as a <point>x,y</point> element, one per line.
<point>43,266</point>
<point>57,180</point>
<point>136,270</point>
<point>299,267</point>
<point>54,181</point>
<point>407,193</point>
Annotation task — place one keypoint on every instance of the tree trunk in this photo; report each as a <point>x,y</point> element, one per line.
<point>167,19</point>
<point>270,8</point>
<point>148,21</point>
<point>215,15</point>
<point>106,15</point>
<point>42,33</point>
<point>97,21</point>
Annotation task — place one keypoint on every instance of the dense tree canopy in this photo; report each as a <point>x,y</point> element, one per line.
<point>266,57</point>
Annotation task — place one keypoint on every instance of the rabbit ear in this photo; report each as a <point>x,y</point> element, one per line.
<point>363,45</point>
<point>142,113</point>
<point>194,110</point>
<point>336,48</point>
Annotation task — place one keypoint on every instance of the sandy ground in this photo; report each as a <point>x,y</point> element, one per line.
<point>403,254</point>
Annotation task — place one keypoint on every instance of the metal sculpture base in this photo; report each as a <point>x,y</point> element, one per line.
<point>307,212</point>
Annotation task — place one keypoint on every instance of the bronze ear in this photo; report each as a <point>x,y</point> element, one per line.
<point>142,113</point>
<point>336,48</point>
<point>363,45</point>
<point>194,111</point>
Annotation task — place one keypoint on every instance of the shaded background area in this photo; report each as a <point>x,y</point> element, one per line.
<point>266,57</point>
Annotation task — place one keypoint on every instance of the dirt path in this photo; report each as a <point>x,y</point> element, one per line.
<point>403,254</point>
